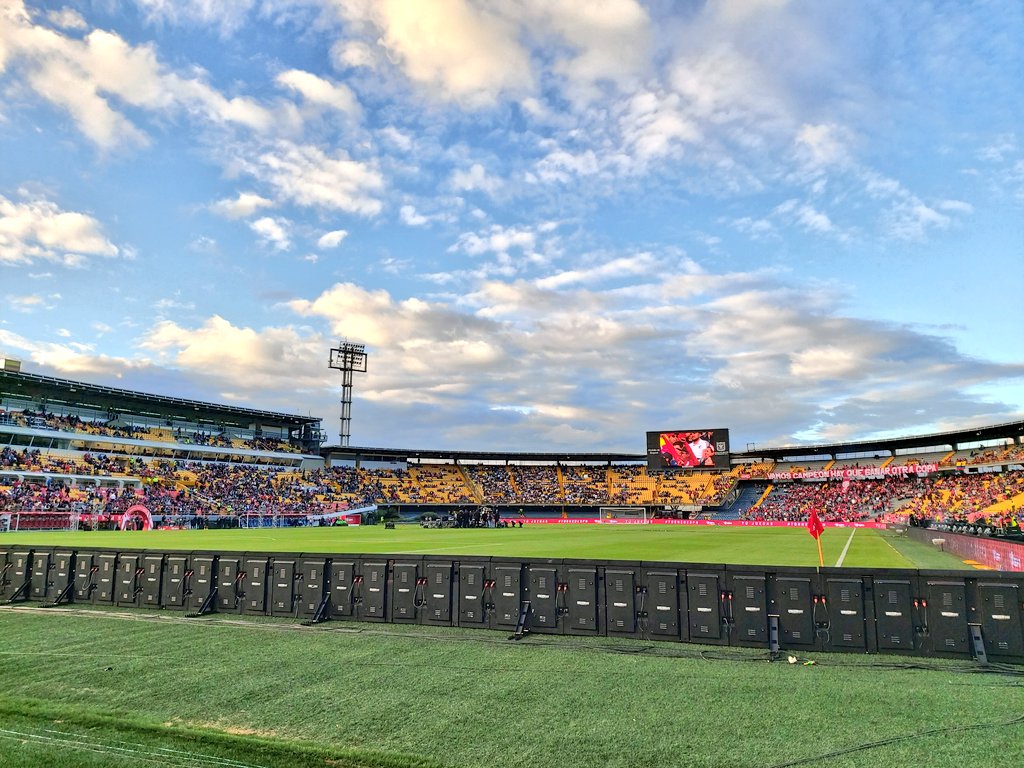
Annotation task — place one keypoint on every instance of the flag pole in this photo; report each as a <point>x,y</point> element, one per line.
<point>821,559</point>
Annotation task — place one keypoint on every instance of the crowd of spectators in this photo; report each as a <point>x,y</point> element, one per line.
<point>947,498</point>
<point>31,480</point>
<point>966,498</point>
<point>113,427</point>
<point>584,484</point>
<point>836,500</point>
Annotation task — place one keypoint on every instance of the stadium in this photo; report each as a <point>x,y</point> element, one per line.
<point>121,507</point>
<point>680,370</point>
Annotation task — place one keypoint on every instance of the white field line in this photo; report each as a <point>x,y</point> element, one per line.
<point>846,549</point>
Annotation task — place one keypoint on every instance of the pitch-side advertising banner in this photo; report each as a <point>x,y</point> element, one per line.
<point>722,523</point>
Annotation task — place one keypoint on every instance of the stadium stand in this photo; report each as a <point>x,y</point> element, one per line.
<point>69,448</point>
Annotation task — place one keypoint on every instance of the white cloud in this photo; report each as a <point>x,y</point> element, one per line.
<point>604,42</point>
<point>28,303</point>
<point>66,18</point>
<point>476,178</point>
<point>273,231</point>
<point>308,176</point>
<point>496,239</point>
<point>452,49</point>
<point>331,239</point>
<point>229,15</point>
<point>956,206</point>
<point>355,53</point>
<point>243,206</point>
<point>318,91</point>
<point>824,144</point>
<point>39,230</point>
<point>627,266</point>
<point>411,218</point>
<point>95,77</point>
<point>396,137</point>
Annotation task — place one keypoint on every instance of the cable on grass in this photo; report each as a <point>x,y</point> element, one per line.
<point>897,739</point>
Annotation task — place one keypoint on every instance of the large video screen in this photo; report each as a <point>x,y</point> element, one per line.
<point>688,449</point>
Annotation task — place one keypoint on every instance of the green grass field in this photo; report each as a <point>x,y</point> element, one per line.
<point>864,548</point>
<point>90,686</point>
<point>84,687</point>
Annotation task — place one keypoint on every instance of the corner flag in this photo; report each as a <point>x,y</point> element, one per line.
<point>815,527</point>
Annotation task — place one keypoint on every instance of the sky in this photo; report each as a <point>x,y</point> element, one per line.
<point>555,224</point>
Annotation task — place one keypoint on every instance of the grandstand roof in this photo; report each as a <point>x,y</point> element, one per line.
<point>75,394</point>
<point>948,440</point>
<point>398,454</point>
<point>1013,429</point>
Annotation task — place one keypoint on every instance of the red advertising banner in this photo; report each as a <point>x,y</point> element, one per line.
<point>995,553</point>
<point>854,473</point>
<point>720,523</point>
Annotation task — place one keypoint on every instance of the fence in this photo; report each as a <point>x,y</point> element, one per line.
<point>943,613</point>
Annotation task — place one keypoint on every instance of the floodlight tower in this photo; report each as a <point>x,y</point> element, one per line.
<point>348,358</point>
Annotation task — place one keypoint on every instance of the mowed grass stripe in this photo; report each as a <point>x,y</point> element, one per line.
<point>710,544</point>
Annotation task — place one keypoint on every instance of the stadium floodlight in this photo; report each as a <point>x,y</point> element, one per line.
<point>348,358</point>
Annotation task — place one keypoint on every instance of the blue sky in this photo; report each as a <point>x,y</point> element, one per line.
<point>555,225</point>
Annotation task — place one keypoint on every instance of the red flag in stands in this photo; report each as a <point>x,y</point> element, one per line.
<point>814,525</point>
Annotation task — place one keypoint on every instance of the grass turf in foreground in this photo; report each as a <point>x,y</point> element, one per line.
<point>373,695</point>
<point>699,544</point>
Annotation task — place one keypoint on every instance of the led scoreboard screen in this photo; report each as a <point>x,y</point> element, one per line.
<point>688,449</point>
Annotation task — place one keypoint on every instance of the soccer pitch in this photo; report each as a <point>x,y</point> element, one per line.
<point>100,686</point>
<point>848,547</point>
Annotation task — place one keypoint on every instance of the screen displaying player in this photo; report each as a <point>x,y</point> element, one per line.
<point>688,449</point>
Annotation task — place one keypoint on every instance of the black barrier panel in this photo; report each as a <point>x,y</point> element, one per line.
<point>282,587</point>
<point>129,579</point>
<point>659,609</point>
<point>374,590</point>
<point>547,597</point>
<point>583,614</point>
<point>346,589</point>
<point>475,594</point>
<point>946,616</point>
<point>894,614</point>
<point>705,594</point>
<point>792,603</point>
<point>507,594</point>
<point>42,577</point>
<point>63,575</point>
<point>257,576</point>
<point>746,604</point>
<point>999,604</point>
<point>201,582</point>
<point>232,583</point>
<point>437,607</point>
<point>176,582</point>
<point>620,589</point>
<point>842,617</point>
<point>85,577</point>
<point>106,578</point>
<point>5,573</point>
<point>21,575</point>
<point>312,584</point>
<point>152,580</point>
<point>407,595</point>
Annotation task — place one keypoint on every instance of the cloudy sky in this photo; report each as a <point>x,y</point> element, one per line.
<point>556,224</point>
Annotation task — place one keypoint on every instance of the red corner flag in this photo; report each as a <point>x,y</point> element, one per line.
<point>814,525</point>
